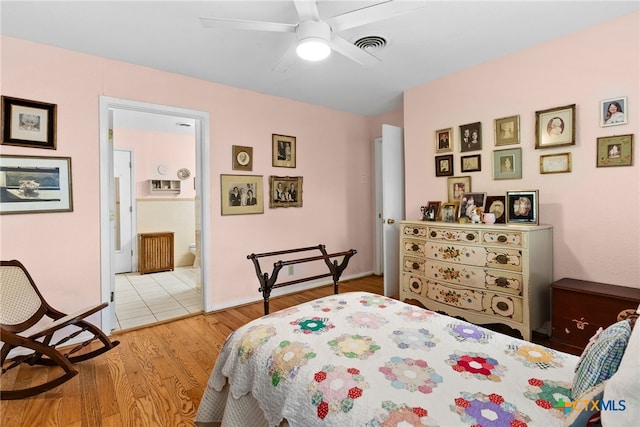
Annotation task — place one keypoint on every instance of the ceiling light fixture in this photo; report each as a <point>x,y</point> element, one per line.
<point>313,40</point>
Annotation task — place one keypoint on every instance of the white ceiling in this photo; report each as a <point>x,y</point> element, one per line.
<point>439,39</point>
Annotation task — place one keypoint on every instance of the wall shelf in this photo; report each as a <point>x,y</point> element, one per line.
<point>164,186</point>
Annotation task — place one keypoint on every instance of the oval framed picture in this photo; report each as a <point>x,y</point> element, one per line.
<point>242,158</point>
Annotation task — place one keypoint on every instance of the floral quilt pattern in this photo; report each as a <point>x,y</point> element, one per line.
<point>360,359</point>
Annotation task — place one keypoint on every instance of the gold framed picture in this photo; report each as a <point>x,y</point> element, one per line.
<point>556,127</point>
<point>555,163</point>
<point>507,130</point>
<point>285,191</point>
<point>444,140</point>
<point>242,158</point>
<point>615,151</point>
<point>457,186</point>
<point>449,211</point>
<point>284,151</point>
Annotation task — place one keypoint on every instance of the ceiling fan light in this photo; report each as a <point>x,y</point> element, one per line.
<point>313,49</point>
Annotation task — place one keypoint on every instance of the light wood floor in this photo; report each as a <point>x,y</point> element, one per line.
<point>155,377</point>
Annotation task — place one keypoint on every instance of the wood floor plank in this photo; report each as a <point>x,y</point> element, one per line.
<point>155,377</point>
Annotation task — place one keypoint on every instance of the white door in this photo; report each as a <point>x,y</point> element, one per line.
<point>123,211</point>
<point>392,205</point>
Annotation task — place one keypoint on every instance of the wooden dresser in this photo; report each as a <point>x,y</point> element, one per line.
<point>579,308</point>
<point>486,274</point>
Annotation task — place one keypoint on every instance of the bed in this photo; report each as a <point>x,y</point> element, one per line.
<point>361,359</point>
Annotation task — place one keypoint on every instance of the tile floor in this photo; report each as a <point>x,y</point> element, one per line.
<point>149,298</point>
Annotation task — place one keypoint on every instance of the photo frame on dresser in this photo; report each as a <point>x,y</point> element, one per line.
<point>470,201</point>
<point>449,211</point>
<point>495,205</point>
<point>522,207</point>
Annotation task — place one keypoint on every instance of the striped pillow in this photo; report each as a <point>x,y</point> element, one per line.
<point>601,358</point>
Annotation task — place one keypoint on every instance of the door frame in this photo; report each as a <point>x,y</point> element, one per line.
<point>202,182</point>
<point>134,210</point>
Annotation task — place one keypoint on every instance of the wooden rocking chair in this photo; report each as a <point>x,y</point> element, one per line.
<point>21,307</point>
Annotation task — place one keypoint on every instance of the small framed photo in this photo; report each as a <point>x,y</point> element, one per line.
<point>449,212</point>
<point>471,137</point>
<point>507,164</point>
<point>444,165</point>
<point>470,163</point>
<point>522,207</point>
<point>285,191</point>
<point>32,184</point>
<point>556,127</point>
<point>507,130</point>
<point>615,151</point>
<point>469,201</point>
<point>613,112</point>
<point>28,123</point>
<point>555,163</point>
<point>241,194</point>
<point>242,158</point>
<point>284,151</point>
<point>444,140</point>
<point>495,205</point>
<point>457,186</point>
<point>430,211</point>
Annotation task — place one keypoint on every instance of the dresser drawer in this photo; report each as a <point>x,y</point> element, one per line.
<point>486,302</point>
<point>454,235</point>
<point>415,230</point>
<point>476,277</point>
<point>413,247</point>
<point>502,238</point>
<point>500,258</point>
<point>413,285</point>
<point>413,265</point>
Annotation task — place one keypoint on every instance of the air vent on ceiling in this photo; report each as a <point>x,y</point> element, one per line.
<point>371,43</point>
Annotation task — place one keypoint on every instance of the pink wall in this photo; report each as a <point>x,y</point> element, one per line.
<point>594,211</point>
<point>62,249</point>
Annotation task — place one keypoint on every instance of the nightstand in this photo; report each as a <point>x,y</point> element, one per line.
<point>579,308</point>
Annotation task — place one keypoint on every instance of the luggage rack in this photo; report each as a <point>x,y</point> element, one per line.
<point>268,283</point>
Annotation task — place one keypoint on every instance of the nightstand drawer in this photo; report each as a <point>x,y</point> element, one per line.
<point>573,331</point>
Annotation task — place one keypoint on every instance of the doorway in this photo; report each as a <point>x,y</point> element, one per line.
<point>108,194</point>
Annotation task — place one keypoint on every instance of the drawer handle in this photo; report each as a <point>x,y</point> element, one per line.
<point>434,234</point>
<point>580,324</point>
<point>502,282</point>
<point>414,247</point>
<point>416,231</point>
<point>416,266</point>
<point>415,285</point>
<point>471,236</point>
<point>502,238</point>
<point>501,259</point>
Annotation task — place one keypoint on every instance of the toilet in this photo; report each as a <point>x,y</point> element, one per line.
<point>194,250</point>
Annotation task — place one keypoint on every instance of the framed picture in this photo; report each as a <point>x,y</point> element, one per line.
<point>457,186</point>
<point>507,130</point>
<point>430,211</point>
<point>444,140</point>
<point>471,137</point>
<point>522,207</point>
<point>469,201</point>
<point>241,194</point>
<point>284,151</point>
<point>242,158</point>
<point>615,150</point>
<point>28,123</point>
<point>555,163</point>
<point>507,164</point>
<point>444,165</point>
<point>470,163</point>
<point>613,112</point>
<point>31,184</point>
<point>556,127</point>
<point>285,191</point>
<point>449,212</point>
<point>495,205</point>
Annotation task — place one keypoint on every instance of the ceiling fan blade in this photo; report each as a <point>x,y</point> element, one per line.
<point>239,24</point>
<point>307,10</point>
<point>351,51</point>
<point>374,13</point>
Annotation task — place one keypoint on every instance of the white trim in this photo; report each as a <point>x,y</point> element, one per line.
<point>106,191</point>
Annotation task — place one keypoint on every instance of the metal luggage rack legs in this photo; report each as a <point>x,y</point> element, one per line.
<point>268,283</point>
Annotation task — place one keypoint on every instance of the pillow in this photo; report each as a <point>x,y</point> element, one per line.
<point>600,359</point>
<point>583,414</point>
<point>624,385</point>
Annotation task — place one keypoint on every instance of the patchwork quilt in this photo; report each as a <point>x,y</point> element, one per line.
<point>360,359</point>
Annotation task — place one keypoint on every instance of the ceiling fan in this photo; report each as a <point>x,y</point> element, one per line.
<point>316,37</point>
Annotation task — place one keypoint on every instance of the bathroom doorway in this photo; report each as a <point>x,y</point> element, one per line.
<point>156,296</point>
